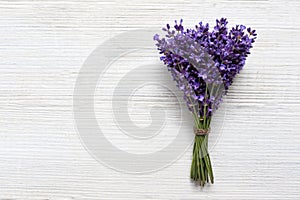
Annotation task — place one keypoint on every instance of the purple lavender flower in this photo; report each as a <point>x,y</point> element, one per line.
<point>203,63</point>
<point>206,61</point>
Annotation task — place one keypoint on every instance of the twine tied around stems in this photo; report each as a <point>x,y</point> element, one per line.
<point>199,132</point>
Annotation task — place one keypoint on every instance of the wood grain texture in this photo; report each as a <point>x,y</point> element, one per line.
<point>43,45</point>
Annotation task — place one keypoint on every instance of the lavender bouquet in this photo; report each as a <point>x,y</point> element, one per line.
<point>203,63</point>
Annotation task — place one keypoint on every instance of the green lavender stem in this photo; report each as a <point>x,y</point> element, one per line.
<point>201,169</point>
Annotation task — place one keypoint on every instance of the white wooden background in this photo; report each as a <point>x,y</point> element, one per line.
<point>43,45</point>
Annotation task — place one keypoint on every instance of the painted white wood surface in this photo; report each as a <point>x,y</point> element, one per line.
<point>43,45</point>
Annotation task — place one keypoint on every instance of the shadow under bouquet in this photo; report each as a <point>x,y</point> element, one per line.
<point>203,63</point>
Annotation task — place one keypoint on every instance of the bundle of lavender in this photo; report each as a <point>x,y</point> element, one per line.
<point>203,63</point>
